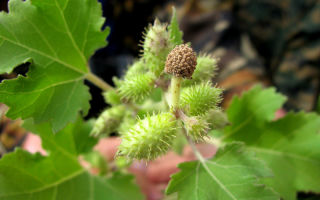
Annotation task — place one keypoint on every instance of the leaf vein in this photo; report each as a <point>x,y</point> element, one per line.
<point>54,184</point>
<point>69,33</point>
<point>43,54</point>
<point>222,186</point>
<point>45,88</point>
<point>281,153</point>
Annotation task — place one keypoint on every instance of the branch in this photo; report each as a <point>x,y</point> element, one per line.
<point>99,82</point>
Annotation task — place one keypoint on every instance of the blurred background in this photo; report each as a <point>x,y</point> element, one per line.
<point>269,42</point>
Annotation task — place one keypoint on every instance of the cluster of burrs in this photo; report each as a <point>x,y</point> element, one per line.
<point>165,95</point>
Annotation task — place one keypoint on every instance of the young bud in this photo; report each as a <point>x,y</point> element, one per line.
<point>156,47</point>
<point>181,61</point>
<point>197,128</point>
<point>108,121</point>
<point>136,88</point>
<point>205,70</point>
<point>198,99</point>
<point>117,82</point>
<point>149,138</point>
<point>112,97</point>
<point>217,119</point>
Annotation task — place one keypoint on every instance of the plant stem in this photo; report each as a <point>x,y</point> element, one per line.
<point>194,148</point>
<point>195,151</point>
<point>98,82</point>
<point>2,149</point>
<point>175,91</point>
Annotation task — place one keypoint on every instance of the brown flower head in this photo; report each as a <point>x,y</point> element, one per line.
<point>181,61</point>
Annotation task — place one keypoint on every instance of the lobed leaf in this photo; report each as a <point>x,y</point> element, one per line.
<point>59,175</point>
<point>233,173</point>
<point>289,146</point>
<point>256,105</point>
<point>58,37</point>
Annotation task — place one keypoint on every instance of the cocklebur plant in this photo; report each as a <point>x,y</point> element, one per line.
<point>165,99</point>
<point>153,135</point>
<point>154,132</point>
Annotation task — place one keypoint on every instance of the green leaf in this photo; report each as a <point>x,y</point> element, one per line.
<point>289,146</point>
<point>96,160</point>
<point>73,139</point>
<point>231,174</point>
<point>58,36</point>
<point>174,31</point>
<point>59,175</point>
<point>256,105</point>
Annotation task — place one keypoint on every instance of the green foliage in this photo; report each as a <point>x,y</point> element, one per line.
<point>289,146</point>
<point>149,138</point>
<point>59,175</point>
<point>58,37</point>
<point>174,32</point>
<point>96,161</point>
<point>198,99</point>
<point>231,174</point>
<point>257,104</point>
<point>45,32</point>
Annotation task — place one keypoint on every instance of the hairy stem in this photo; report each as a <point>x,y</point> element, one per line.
<point>98,82</point>
<point>175,91</point>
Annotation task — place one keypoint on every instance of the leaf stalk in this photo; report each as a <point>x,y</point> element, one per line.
<point>194,148</point>
<point>98,82</point>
